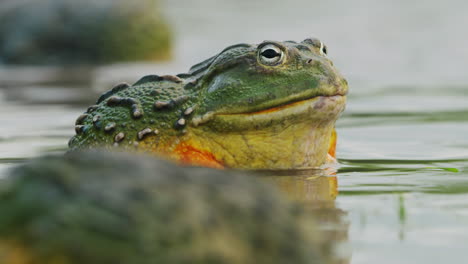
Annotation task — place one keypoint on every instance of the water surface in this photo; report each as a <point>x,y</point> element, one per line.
<point>403,140</point>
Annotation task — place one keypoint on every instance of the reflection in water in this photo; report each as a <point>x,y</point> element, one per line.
<point>317,189</point>
<point>401,216</point>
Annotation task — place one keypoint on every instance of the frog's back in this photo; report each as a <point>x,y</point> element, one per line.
<point>150,115</point>
<point>152,107</point>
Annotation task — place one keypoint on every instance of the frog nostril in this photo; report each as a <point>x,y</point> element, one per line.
<point>309,61</point>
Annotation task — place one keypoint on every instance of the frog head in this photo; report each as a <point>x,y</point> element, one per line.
<point>275,102</point>
<point>271,77</point>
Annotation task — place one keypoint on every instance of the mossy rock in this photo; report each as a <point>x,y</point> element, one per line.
<point>116,208</point>
<point>70,32</point>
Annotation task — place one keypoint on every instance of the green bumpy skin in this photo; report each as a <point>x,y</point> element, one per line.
<point>108,208</point>
<point>271,105</point>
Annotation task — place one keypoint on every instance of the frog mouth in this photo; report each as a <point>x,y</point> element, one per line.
<point>322,109</point>
<point>263,105</point>
<point>316,103</point>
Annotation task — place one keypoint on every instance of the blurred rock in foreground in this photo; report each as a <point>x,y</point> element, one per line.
<point>70,32</point>
<point>107,208</point>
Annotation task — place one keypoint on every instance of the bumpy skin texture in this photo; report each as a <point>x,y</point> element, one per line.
<point>68,32</point>
<point>271,105</point>
<point>111,208</point>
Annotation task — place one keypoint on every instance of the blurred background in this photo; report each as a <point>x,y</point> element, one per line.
<point>403,140</point>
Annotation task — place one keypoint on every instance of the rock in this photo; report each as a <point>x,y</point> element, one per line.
<point>71,32</point>
<point>103,208</point>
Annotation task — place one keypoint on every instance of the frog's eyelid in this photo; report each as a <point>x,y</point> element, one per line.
<point>302,47</point>
<point>321,47</point>
<point>272,47</point>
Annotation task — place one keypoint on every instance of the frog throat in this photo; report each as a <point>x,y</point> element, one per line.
<point>297,135</point>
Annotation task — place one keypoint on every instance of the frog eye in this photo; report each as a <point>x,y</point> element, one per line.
<point>323,48</point>
<point>271,54</point>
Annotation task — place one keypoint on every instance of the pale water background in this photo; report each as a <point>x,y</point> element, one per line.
<point>403,140</point>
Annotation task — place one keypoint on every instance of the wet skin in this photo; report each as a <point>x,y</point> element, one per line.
<point>271,105</point>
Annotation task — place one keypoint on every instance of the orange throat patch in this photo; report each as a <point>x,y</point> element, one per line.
<point>186,154</point>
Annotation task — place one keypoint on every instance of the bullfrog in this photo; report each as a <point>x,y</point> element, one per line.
<point>107,207</point>
<point>271,105</point>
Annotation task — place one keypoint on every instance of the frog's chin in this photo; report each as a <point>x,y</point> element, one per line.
<point>319,110</point>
